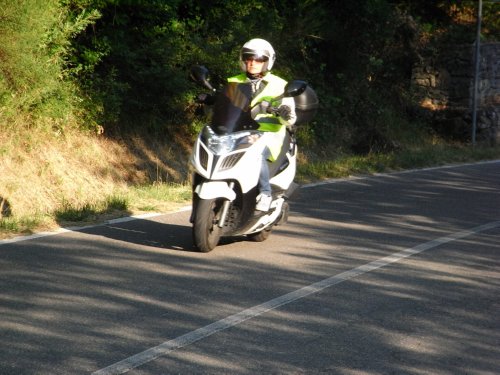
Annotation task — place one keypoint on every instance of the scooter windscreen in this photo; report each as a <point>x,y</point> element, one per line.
<point>231,112</point>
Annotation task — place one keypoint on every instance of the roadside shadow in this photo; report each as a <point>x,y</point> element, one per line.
<point>5,209</point>
<point>151,233</point>
<point>144,232</point>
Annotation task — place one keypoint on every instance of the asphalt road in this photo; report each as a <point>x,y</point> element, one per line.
<point>391,274</point>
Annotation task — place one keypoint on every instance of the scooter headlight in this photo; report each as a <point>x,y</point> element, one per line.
<point>222,144</point>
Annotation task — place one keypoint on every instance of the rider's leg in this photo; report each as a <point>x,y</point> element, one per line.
<point>264,199</point>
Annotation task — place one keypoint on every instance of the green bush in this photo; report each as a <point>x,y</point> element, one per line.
<point>35,40</point>
<point>124,64</point>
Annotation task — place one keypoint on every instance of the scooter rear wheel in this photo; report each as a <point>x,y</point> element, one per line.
<point>206,232</point>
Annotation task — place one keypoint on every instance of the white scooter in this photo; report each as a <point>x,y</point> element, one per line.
<point>227,160</point>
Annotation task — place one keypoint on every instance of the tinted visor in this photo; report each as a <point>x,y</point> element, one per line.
<point>259,56</point>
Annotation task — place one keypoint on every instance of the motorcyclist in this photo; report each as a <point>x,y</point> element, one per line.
<point>257,57</point>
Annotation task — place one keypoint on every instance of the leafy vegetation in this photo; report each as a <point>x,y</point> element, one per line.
<point>81,76</point>
<point>123,65</point>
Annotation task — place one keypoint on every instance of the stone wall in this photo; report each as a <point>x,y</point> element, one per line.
<point>444,85</point>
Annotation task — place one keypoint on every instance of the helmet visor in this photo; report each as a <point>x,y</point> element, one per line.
<point>259,56</point>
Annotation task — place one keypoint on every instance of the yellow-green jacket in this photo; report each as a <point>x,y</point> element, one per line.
<point>274,86</point>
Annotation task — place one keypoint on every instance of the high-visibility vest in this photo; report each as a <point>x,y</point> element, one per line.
<point>274,86</point>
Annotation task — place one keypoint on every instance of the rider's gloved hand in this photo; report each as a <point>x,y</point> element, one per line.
<point>205,99</point>
<point>260,108</point>
<point>285,112</point>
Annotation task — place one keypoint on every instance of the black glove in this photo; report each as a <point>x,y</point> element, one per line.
<point>284,112</point>
<point>206,99</point>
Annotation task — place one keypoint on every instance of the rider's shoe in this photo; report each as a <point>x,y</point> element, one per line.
<point>263,202</point>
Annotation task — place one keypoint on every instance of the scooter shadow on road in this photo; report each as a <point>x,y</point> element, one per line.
<point>151,233</point>
<point>145,232</point>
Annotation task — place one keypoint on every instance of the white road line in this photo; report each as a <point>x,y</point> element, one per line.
<point>76,229</point>
<point>406,171</point>
<point>233,320</point>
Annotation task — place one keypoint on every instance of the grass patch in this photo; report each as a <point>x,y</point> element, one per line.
<point>317,168</point>
<point>92,211</point>
<point>10,226</point>
<point>159,196</point>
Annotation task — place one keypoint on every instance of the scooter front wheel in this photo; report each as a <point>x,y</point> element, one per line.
<point>260,236</point>
<point>206,231</point>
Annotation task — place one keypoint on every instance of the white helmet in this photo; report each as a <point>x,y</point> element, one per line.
<point>258,48</point>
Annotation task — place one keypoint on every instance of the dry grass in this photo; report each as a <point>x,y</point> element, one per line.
<point>46,173</point>
<point>39,175</point>
<point>48,179</point>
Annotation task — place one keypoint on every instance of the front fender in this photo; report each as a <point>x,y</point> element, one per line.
<point>215,189</point>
